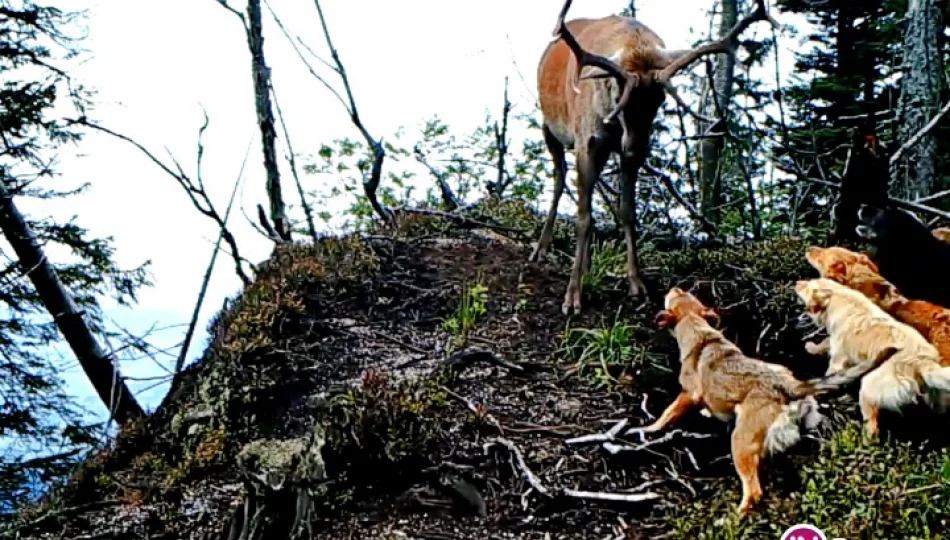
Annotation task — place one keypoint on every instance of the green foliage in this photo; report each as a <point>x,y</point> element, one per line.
<point>608,258</point>
<point>45,431</point>
<point>854,488</point>
<point>602,354</point>
<point>473,304</point>
<point>381,433</point>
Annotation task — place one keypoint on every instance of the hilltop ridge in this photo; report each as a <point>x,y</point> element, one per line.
<point>401,384</point>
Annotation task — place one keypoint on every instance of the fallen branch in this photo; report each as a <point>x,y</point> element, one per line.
<point>627,447</point>
<point>532,478</point>
<point>462,221</point>
<point>610,435</point>
<point>461,360</point>
<point>539,486</point>
<point>618,497</point>
<point>480,411</point>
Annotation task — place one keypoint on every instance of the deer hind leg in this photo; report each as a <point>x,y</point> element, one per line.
<point>556,149</point>
<point>591,158</point>
<point>629,169</point>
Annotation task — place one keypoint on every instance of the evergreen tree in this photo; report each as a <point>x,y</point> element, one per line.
<point>844,75</point>
<point>44,434</point>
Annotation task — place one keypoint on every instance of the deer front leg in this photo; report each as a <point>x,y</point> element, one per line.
<point>556,149</point>
<point>629,169</point>
<point>590,161</point>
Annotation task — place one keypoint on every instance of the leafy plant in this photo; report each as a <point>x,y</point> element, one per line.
<point>607,258</point>
<point>472,305</point>
<point>597,352</point>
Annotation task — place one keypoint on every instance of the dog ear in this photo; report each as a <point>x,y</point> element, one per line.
<point>882,289</point>
<point>837,269</point>
<point>665,319</point>
<point>711,316</point>
<point>821,296</point>
<point>867,260</point>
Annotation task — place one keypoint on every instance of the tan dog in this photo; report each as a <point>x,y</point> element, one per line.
<point>770,404</point>
<point>858,272</point>
<point>859,330</point>
<point>943,233</point>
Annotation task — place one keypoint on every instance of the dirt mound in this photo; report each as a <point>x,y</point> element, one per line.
<point>425,385</point>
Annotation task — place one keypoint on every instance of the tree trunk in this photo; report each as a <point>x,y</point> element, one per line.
<point>710,149</point>
<point>920,98</point>
<point>95,362</point>
<point>265,118</point>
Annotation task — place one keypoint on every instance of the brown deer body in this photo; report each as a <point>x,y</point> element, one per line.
<point>610,109</point>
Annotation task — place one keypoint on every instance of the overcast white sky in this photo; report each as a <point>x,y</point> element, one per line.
<point>155,63</point>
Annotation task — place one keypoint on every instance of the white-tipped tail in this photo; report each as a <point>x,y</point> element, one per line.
<point>786,429</point>
<point>937,378</point>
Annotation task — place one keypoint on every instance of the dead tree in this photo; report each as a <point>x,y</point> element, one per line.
<point>253,30</point>
<point>712,145</point>
<point>503,179</point>
<point>97,365</point>
<point>373,177</point>
<point>921,85</point>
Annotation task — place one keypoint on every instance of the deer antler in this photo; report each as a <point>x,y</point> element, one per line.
<point>585,58</point>
<point>726,44</point>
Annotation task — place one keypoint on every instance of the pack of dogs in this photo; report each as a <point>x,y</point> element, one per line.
<point>888,331</point>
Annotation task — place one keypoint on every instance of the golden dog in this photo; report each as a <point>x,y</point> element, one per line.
<point>858,272</point>
<point>858,330</point>
<point>769,403</point>
<point>943,233</point>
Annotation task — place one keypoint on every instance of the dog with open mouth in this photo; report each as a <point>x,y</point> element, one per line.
<point>859,330</point>
<point>856,271</point>
<point>769,404</point>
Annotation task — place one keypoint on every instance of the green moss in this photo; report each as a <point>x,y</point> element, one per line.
<point>854,488</point>
<point>381,433</point>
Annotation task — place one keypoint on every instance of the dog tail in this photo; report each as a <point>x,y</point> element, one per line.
<point>842,378</point>
<point>936,377</point>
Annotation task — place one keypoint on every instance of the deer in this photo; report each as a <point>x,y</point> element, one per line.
<point>610,109</point>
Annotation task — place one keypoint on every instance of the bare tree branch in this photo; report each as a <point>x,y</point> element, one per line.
<point>292,161</point>
<point>907,205</point>
<point>206,280</point>
<point>668,182</point>
<point>448,196</point>
<point>195,191</point>
<point>370,181</point>
<point>917,136</point>
<point>371,184</point>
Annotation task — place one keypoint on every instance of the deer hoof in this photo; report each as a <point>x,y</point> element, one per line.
<point>572,300</point>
